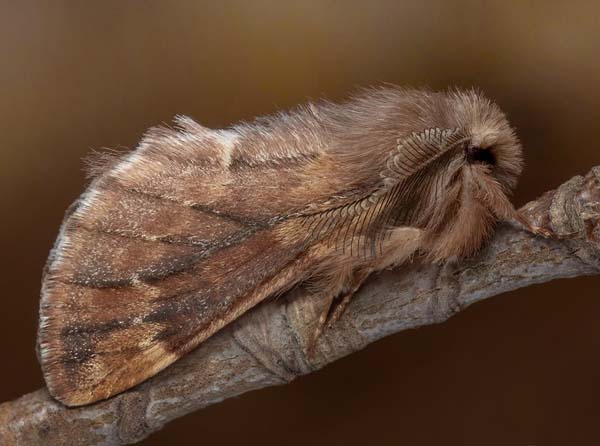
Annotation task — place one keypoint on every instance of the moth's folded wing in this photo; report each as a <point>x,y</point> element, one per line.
<point>120,306</point>
<point>157,256</point>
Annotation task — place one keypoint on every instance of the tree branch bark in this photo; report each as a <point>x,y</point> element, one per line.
<point>266,346</point>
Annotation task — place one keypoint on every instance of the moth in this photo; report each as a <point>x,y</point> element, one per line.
<point>176,239</point>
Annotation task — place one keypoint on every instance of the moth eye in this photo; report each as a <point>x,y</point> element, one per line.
<point>479,155</point>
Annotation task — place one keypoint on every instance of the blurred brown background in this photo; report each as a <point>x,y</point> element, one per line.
<point>520,369</point>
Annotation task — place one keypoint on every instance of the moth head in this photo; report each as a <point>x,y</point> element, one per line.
<point>491,146</point>
<point>483,160</point>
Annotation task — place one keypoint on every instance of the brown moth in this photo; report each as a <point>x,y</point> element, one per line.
<point>183,235</point>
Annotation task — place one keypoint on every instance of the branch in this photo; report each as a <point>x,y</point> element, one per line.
<point>266,346</point>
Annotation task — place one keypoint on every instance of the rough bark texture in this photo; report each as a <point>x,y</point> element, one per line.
<point>266,346</point>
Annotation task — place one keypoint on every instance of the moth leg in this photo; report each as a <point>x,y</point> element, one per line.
<point>591,220</point>
<point>532,228</point>
<point>397,246</point>
<point>402,244</point>
<point>335,306</point>
<point>340,304</point>
<point>321,324</point>
<point>540,231</point>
